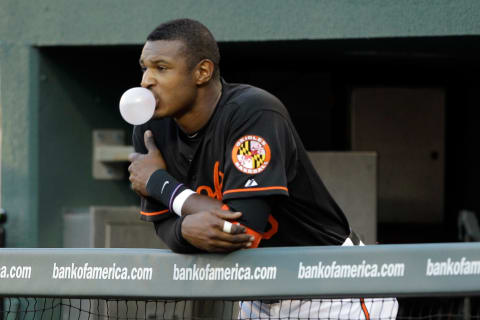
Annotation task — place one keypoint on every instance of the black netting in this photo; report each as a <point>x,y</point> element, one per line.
<point>82,309</point>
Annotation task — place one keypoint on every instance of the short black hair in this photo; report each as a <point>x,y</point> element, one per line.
<point>198,40</point>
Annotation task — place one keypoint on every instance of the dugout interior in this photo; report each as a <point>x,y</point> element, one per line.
<point>79,89</point>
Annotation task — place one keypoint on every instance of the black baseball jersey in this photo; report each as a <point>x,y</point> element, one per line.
<point>249,148</point>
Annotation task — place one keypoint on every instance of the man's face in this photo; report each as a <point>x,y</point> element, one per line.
<point>167,75</point>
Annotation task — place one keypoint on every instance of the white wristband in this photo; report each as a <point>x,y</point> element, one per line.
<point>180,200</point>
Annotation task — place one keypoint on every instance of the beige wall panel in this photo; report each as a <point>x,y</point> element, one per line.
<point>351,178</point>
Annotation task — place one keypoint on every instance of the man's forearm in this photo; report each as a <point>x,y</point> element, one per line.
<point>198,202</point>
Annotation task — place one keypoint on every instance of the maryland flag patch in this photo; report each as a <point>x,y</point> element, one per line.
<point>251,154</point>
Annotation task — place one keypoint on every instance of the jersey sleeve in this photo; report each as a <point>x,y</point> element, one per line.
<point>260,155</point>
<point>255,212</point>
<point>150,209</point>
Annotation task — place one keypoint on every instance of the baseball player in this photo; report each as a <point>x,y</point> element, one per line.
<point>221,166</point>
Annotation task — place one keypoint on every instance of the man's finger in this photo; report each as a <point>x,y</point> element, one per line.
<point>222,246</point>
<point>238,229</point>
<point>227,226</point>
<point>241,239</point>
<point>232,228</point>
<point>150,142</point>
<point>133,156</point>
<point>227,215</point>
<point>235,228</point>
<point>238,237</point>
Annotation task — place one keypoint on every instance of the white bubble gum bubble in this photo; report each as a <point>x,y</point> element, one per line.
<point>137,105</point>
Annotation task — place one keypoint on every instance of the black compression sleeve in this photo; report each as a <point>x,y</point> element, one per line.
<point>164,188</point>
<point>170,231</point>
<point>255,212</point>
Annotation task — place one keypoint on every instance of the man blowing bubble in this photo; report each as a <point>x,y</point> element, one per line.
<point>220,167</point>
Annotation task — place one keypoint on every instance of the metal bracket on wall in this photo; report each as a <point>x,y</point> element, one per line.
<point>109,154</point>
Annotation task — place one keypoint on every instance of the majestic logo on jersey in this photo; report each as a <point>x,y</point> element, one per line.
<point>251,183</point>
<point>251,154</point>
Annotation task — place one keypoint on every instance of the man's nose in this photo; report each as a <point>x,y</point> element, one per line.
<point>147,80</point>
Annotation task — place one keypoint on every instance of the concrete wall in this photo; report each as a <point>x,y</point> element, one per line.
<point>18,100</point>
<point>63,22</point>
<point>32,132</point>
<point>75,99</point>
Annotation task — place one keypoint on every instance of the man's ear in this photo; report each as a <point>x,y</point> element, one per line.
<point>204,71</point>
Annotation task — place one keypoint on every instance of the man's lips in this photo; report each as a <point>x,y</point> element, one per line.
<point>156,101</point>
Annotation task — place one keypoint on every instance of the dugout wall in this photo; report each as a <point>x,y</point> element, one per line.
<point>55,86</point>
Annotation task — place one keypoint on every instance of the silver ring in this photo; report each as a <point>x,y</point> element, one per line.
<point>227,227</point>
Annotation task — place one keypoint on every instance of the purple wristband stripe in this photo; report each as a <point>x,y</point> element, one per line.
<point>173,197</point>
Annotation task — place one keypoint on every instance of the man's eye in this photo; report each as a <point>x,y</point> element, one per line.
<point>161,68</point>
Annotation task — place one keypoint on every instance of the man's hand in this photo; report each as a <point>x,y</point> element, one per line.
<point>204,230</point>
<point>143,165</point>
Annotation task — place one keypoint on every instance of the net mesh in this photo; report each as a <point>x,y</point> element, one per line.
<point>466,308</point>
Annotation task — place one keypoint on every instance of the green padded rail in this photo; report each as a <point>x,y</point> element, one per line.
<point>381,270</point>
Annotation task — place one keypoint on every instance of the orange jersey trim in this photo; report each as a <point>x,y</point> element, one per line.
<point>156,213</point>
<point>256,189</point>
<point>274,229</point>
<point>365,310</point>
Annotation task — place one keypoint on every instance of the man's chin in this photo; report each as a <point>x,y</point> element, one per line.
<point>158,114</point>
